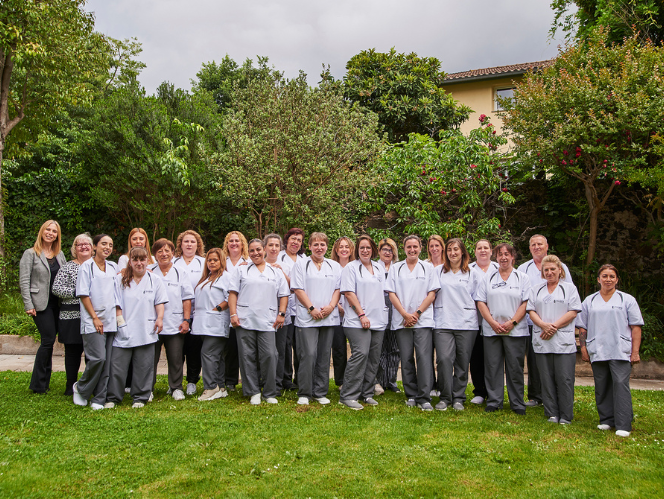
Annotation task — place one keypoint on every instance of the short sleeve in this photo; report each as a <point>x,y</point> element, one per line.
<point>348,276</point>
<point>582,318</point>
<point>186,290</point>
<point>634,317</point>
<point>234,280</point>
<point>160,295</point>
<point>83,281</point>
<point>525,287</point>
<point>480,295</point>
<point>531,301</point>
<point>433,283</point>
<point>297,275</point>
<point>337,274</point>
<point>568,274</point>
<point>574,299</point>
<point>283,285</point>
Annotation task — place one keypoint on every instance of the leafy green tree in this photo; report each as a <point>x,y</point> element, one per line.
<point>405,91</point>
<point>454,187</point>
<point>579,18</point>
<point>592,117</point>
<point>296,156</point>
<point>221,79</point>
<point>49,54</point>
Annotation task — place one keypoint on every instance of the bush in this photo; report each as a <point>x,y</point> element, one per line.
<point>14,320</point>
<point>652,339</point>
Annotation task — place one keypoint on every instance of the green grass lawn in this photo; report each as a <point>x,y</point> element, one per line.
<point>51,448</point>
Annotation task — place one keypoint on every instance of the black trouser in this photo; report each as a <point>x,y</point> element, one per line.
<point>477,366</point>
<point>73,352</point>
<point>296,357</point>
<point>192,353</point>
<point>47,324</point>
<point>287,380</point>
<point>232,360</point>
<point>339,355</point>
<point>534,383</point>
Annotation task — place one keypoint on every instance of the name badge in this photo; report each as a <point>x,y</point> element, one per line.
<point>616,307</point>
<point>172,284</point>
<point>148,292</point>
<point>547,299</point>
<point>558,301</point>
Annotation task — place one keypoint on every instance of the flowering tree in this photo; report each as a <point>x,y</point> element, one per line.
<point>455,187</point>
<point>592,116</point>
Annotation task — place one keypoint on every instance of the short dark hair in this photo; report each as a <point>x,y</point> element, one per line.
<point>160,243</point>
<point>295,231</point>
<point>374,248</point>
<point>507,246</point>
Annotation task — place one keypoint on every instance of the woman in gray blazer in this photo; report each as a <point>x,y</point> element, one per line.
<point>37,271</point>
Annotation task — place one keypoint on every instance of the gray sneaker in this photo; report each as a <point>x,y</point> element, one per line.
<point>553,419</point>
<point>441,406</point>
<point>426,406</point>
<point>352,404</point>
<point>457,406</point>
<point>370,401</point>
<point>564,421</point>
<point>410,402</point>
<point>533,403</point>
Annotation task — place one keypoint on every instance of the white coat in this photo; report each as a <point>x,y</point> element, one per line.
<point>100,287</point>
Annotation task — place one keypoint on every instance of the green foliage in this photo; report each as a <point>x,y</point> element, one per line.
<point>220,80</point>
<point>592,116</point>
<point>296,156</point>
<point>13,319</point>
<point>579,18</point>
<point>406,91</point>
<point>454,187</point>
<point>652,337</point>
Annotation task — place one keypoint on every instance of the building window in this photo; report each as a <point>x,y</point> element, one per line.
<point>503,93</point>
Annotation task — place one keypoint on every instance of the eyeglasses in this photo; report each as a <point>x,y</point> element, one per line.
<point>387,250</point>
<point>84,245</point>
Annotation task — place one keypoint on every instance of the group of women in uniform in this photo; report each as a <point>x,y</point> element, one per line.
<point>249,306</point>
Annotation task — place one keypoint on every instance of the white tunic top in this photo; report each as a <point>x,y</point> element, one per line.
<point>369,290</point>
<point>551,307</point>
<point>454,307</point>
<point>608,325</point>
<point>412,288</point>
<point>229,265</point>
<point>319,285</point>
<point>100,287</point>
<point>258,295</point>
<point>138,302</point>
<point>287,264</point>
<point>193,270</point>
<point>209,321</point>
<point>178,288</point>
<point>535,275</point>
<point>473,266</point>
<point>124,260</point>
<point>503,299</point>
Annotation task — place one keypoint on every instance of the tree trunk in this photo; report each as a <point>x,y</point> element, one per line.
<point>594,207</point>
<point>2,212</point>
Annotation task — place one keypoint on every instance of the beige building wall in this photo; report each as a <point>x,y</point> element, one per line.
<point>480,96</point>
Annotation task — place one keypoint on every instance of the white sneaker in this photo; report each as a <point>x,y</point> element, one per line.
<point>255,399</point>
<point>457,406</point>
<point>553,419</point>
<point>352,404</point>
<point>378,390</point>
<point>151,398</point>
<point>137,405</point>
<point>78,398</point>
<point>303,401</point>
<point>271,400</point>
<point>441,406</point>
<point>477,400</point>
<point>178,395</point>
<point>322,400</point>
<point>191,388</point>
<point>96,407</point>
<point>434,393</point>
<point>622,433</point>
<point>603,427</point>
<point>410,403</point>
<point>213,394</point>
<point>109,405</point>
<point>127,389</point>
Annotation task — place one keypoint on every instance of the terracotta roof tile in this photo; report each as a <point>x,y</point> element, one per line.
<point>498,70</point>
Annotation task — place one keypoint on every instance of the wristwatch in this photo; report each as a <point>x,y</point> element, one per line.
<point>218,307</point>
<point>514,323</point>
<point>282,314</point>
<point>311,309</point>
<point>189,321</point>
<point>418,311</point>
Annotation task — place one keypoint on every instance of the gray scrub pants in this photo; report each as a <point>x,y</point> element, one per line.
<point>141,382</point>
<point>281,340</point>
<point>174,345</point>
<point>94,380</point>
<point>557,377</point>
<point>534,376</point>
<point>504,355</point>
<point>453,350</point>
<point>612,393</point>
<point>258,357</point>
<point>314,346</point>
<point>361,368</point>
<point>212,361</point>
<point>417,383</point>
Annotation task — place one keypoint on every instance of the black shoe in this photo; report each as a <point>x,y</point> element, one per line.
<point>393,388</point>
<point>289,386</point>
<point>490,409</point>
<point>520,412</point>
<point>69,391</point>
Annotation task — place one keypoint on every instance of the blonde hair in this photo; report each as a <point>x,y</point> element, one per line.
<point>85,237</point>
<point>335,249</point>
<point>200,247</point>
<point>243,241</point>
<point>555,260</point>
<point>390,242</point>
<point>318,236</point>
<point>147,243</point>
<point>56,246</point>
<point>436,237</point>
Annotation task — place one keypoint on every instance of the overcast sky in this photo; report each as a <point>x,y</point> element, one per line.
<point>178,36</point>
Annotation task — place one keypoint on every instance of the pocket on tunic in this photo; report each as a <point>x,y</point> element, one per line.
<point>123,333</point>
<point>625,344</point>
<point>591,346</point>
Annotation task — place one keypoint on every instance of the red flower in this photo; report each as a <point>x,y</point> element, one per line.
<point>504,189</point>
<point>453,190</point>
<point>563,162</point>
<point>473,166</point>
<point>578,154</point>
<point>565,152</point>
<point>617,182</point>
<point>443,192</point>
